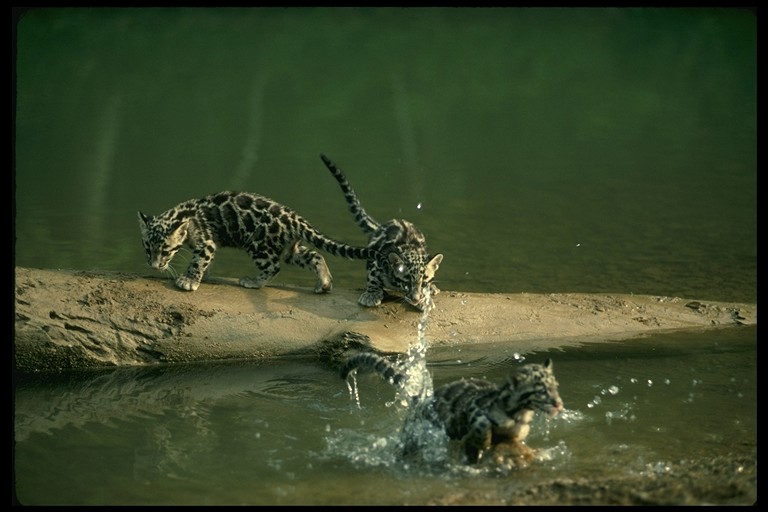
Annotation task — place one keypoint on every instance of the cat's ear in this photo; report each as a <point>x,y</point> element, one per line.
<point>179,233</point>
<point>548,363</point>
<point>143,224</point>
<point>434,263</point>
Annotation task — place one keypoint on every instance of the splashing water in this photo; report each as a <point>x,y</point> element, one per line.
<point>352,387</point>
<point>431,439</point>
<point>417,388</point>
<point>418,382</point>
<point>424,444</point>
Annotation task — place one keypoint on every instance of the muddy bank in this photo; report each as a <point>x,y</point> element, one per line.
<point>76,319</point>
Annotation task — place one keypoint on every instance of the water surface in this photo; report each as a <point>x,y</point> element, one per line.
<point>647,414</point>
<point>540,150</point>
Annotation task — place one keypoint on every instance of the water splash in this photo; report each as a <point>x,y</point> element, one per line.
<point>417,388</point>
<point>352,387</point>
<point>419,443</point>
<point>418,379</point>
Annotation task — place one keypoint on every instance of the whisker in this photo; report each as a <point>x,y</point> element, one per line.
<point>172,271</point>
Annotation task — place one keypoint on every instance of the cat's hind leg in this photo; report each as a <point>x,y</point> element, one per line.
<point>268,263</point>
<point>306,258</point>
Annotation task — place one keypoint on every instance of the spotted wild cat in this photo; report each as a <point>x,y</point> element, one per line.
<point>268,231</point>
<point>489,420</point>
<point>401,261</point>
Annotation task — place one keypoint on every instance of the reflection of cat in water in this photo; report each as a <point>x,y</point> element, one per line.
<point>163,452</point>
<point>490,421</point>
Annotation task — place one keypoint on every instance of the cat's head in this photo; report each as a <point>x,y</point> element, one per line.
<point>162,238</point>
<point>534,387</point>
<point>411,272</point>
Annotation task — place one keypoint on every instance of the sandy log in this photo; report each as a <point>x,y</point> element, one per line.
<point>75,319</point>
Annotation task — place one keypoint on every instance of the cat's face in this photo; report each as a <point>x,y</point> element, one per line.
<point>536,385</point>
<point>162,239</point>
<point>412,274</point>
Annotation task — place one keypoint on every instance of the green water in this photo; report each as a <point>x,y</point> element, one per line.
<point>540,150</point>
<point>651,412</point>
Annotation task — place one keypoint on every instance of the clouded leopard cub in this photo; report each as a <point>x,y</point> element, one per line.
<point>489,420</point>
<point>401,262</point>
<point>267,230</point>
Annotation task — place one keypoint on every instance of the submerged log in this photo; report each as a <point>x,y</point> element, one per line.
<point>67,319</point>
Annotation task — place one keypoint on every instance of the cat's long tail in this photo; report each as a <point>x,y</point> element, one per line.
<point>329,245</point>
<point>368,361</point>
<point>362,218</point>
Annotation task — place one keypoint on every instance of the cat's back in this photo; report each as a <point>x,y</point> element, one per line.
<point>230,207</point>
<point>458,397</point>
<point>237,200</point>
<point>231,218</point>
<point>399,233</point>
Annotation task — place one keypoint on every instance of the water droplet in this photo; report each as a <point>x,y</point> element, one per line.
<point>613,390</point>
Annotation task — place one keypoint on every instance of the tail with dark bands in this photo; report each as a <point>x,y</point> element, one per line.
<point>368,361</point>
<point>331,246</point>
<point>362,218</point>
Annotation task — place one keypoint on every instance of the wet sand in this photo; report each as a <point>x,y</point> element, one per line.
<point>68,319</point>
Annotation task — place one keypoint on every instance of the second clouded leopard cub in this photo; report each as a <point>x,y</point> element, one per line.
<point>490,421</point>
<point>269,231</point>
<point>401,261</point>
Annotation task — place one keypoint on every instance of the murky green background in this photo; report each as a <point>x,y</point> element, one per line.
<point>541,150</point>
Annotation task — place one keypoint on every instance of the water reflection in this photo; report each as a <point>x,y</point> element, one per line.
<point>287,432</point>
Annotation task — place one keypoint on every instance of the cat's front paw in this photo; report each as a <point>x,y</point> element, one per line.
<point>371,299</point>
<point>187,283</point>
<point>323,285</point>
<point>434,290</point>
<point>510,455</point>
